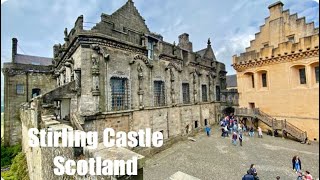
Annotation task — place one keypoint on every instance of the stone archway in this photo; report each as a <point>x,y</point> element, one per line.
<point>228,110</point>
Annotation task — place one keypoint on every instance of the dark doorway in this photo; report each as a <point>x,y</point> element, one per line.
<point>228,111</point>
<point>195,124</point>
<point>252,105</point>
<point>205,122</point>
<point>35,92</point>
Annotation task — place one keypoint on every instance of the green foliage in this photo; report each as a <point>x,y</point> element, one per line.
<point>18,170</point>
<point>8,153</point>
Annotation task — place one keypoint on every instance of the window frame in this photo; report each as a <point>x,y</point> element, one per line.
<point>304,77</point>
<point>20,91</point>
<point>119,95</point>
<point>186,93</point>
<point>204,95</point>
<point>159,98</point>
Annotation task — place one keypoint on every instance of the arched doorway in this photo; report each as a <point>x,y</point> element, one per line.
<point>228,110</point>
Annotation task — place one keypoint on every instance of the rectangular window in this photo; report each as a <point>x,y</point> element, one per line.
<point>316,69</point>
<point>302,74</point>
<point>159,98</point>
<point>150,49</point>
<point>185,93</point>
<point>264,79</point>
<point>119,94</point>
<point>204,93</point>
<point>252,80</point>
<point>218,96</point>
<point>20,89</point>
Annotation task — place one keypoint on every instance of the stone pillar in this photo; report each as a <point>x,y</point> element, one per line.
<point>95,80</point>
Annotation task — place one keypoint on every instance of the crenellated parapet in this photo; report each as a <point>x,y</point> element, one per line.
<point>284,52</point>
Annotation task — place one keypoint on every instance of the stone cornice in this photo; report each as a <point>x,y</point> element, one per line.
<point>241,66</point>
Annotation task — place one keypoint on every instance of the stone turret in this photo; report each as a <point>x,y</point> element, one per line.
<point>14,48</point>
<point>184,42</point>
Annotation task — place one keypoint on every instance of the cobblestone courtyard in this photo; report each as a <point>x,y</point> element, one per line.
<point>215,158</point>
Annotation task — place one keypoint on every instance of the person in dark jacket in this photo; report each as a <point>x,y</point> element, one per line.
<point>296,163</point>
<point>248,176</point>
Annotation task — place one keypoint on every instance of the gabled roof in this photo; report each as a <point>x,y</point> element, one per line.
<point>35,60</point>
<point>129,16</point>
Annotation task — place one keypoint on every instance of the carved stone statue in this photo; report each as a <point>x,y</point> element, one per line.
<point>171,74</point>
<point>95,61</point>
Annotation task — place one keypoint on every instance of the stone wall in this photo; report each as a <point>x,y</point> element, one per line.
<point>13,100</point>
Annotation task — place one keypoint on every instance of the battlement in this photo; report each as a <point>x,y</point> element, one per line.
<point>283,49</point>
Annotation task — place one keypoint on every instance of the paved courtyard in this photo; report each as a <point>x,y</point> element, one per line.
<point>211,158</point>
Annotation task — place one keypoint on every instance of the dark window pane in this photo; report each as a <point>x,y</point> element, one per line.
<point>218,96</point>
<point>317,74</point>
<point>252,80</point>
<point>302,74</point>
<point>204,93</point>
<point>264,79</point>
<point>185,93</point>
<point>159,98</point>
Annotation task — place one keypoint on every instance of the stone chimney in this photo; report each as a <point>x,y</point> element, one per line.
<point>14,49</point>
<point>275,10</point>
<point>184,42</point>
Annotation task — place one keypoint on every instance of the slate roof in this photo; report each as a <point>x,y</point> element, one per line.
<point>231,81</point>
<point>202,52</point>
<point>35,60</point>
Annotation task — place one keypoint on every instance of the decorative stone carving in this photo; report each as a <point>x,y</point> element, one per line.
<point>140,91</point>
<point>142,58</point>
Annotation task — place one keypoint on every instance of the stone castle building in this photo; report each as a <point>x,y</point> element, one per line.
<point>117,74</point>
<point>279,72</point>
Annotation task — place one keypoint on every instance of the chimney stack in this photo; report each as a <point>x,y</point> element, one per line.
<point>184,42</point>
<point>275,10</point>
<point>14,49</point>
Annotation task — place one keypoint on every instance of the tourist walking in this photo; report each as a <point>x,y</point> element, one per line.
<point>240,138</point>
<point>253,172</point>
<point>234,138</point>
<point>259,132</point>
<point>251,132</point>
<point>208,129</point>
<point>308,175</point>
<point>296,164</point>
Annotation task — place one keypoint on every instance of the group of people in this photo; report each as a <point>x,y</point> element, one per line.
<point>296,166</point>
<point>231,125</point>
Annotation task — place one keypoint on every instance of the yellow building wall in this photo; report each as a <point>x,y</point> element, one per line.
<point>284,97</point>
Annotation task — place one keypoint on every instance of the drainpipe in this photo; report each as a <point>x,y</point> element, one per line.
<point>27,87</point>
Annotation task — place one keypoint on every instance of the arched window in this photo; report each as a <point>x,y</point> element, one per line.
<point>263,79</point>
<point>249,79</point>
<point>298,75</point>
<point>315,72</point>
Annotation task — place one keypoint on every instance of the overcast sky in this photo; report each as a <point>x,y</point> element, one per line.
<point>230,24</point>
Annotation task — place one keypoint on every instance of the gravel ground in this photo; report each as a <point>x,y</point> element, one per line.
<point>215,158</point>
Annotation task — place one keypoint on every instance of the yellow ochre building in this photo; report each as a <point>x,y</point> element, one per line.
<point>279,72</point>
